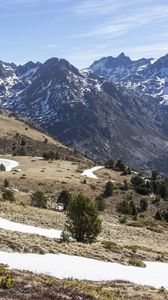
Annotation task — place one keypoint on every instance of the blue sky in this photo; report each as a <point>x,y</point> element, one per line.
<point>82,30</point>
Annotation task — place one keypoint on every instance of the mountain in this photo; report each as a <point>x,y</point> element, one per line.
<point>145,76</point>
<point>92,114</point>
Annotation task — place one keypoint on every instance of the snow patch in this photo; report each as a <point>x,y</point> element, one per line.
<point>19,227</point>
<point>9,164</point>
<point>90,172</point>
<point>64,266</point>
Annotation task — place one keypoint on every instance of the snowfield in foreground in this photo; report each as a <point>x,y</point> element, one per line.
<point>90,172</point>
<point>19,227</point>
<point>9,164</point>
<point>63,266</point>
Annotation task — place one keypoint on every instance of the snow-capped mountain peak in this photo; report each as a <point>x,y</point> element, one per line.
<point>145,76</point>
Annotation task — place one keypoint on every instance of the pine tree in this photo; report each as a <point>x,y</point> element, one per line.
<point>109,189</point>
<point>83,223</point>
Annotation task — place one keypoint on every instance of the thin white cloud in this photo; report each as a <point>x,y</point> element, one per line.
<point>123,23</point>
<point>104,7</point>
<point>155,50</point>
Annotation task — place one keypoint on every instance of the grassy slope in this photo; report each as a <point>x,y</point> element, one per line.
<point>14,130</point>
<point>146,242</point>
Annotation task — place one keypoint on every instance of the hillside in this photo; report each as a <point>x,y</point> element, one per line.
<point>128,238</point>
<point>89,113</point>
<point>20,136</point>
<point>131,233</point>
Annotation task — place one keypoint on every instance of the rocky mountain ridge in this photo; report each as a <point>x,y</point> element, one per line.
<point>145,76</point>
<point>99,118</point>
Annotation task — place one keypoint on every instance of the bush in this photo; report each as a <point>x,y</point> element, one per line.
<point>137,180</point>
<point>51,155</point>
<point>157,198</point>
<point>8,195</point>
<point>136,262</point>
<point>38,199</point>
<point>110,164</point>
<point>2,168</point>
<point>6,282</point>
<point>141,187</point>
<point>144,204</point>
<point>83,219</point>
<point>6,183</point>
<point>100,202</point>
<point>123,219</point>
<point>162,215</point>
<point>133,208</point>
<point>125,186</point>
<point>109,189</point>
<point>64,198</point>
<point>109,245</point>
<point>127,208</point>
<point>64,237</point>
<point>127,171</point>
<point>120,166</point>
<point>154,175</point>
<point>158,215</point>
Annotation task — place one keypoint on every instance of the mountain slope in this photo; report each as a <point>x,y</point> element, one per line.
<point>90,113</point>
<point>145,76</point>
<point>20,136</point>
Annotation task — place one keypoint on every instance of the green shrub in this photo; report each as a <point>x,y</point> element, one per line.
<point>129,196</point>
<point>38,199</point>
<point>162,215</point>
<point>127,171</point>
<point>8,196</point>
<point>123,219</point>
<point>64,198</point>
<point>136,262</point>
<point>110,164</point>
<point>2,168</point>
<point>109,245</point>
<point>109,189</point>
<point>51,155</point>
<point>6,183</point>
<point>127,208</point>
<point>137,180</point>
<point>120,166</point>
<point>154,175</point>
<point>6,282</point>
<point>144,204</point>
<point>125,186</point>
<point>100,202</point>
<point>64,237</point>
<point>157,198</point>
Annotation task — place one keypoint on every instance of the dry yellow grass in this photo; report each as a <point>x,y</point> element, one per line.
<point>33,286</point>
<point>10,126</point>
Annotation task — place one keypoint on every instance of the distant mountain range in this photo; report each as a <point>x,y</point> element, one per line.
<point>95,113</point>
<point>145,76</point>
